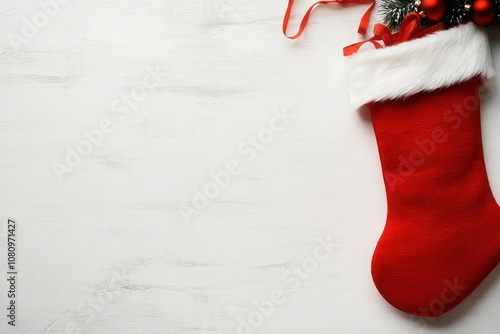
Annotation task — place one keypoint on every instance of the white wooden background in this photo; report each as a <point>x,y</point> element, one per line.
<point>107,250</point>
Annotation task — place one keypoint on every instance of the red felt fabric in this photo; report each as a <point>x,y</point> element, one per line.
<point>442,235</point>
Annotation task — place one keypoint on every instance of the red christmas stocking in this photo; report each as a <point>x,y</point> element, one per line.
<point>442,235</point>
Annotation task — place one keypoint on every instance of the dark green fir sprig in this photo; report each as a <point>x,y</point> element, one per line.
<point>456,13</point>
<point>497,21</point>
<point>394,11</point>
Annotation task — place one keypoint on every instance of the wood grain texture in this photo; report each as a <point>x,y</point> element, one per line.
<point>107,250</point>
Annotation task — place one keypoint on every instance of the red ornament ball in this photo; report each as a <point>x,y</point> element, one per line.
<point>483,12</point>
<point>434,10</point>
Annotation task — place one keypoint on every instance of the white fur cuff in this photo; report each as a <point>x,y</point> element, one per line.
<point>437,60</point>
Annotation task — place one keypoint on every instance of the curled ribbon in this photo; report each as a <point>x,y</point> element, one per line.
<point>363,24</point>
<point>409,28</point>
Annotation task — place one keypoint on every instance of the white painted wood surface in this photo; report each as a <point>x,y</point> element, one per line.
<point>107,250</point>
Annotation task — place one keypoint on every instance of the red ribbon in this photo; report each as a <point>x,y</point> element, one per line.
<point>409,28</point>
<point>363,24</point>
